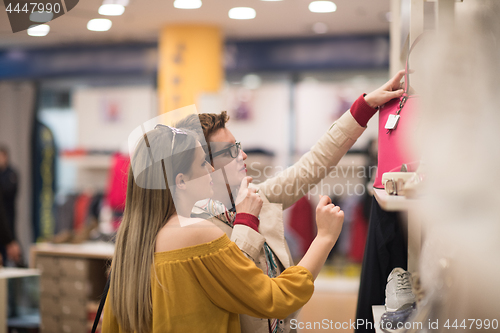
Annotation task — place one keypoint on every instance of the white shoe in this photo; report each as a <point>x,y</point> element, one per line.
<point>398,291</point>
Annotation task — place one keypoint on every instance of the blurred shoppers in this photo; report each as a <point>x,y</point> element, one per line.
<point>8,193</point>
<point>8,187</point>
<point>12,249</point>
<point>267,246</point>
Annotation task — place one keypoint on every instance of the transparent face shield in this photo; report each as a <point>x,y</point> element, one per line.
<point>163,155</point>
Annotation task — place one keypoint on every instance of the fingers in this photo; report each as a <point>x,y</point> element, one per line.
<point>324,200</point>
<point>335,209</point>
<point>396,94</point>
<point>245,182</point>
<point>394,82</point>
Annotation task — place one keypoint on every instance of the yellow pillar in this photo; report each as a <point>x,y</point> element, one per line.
<point>190,63</point>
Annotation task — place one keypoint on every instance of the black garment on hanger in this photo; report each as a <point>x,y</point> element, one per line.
<point>386,248</point>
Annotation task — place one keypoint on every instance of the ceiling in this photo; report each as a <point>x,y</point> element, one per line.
<point>143,19</point>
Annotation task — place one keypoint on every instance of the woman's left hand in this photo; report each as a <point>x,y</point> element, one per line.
<point>391,89</point>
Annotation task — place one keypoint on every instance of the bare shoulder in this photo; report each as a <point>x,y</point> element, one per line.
<point>177,235</point>
<point>204,231</point>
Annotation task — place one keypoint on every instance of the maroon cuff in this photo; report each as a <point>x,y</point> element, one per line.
<point>247,219</point>
<point>361,111</point>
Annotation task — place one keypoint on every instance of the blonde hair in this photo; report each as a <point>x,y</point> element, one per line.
<point>146,212</point>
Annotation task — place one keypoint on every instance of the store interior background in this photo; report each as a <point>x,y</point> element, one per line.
<point>287,75</point>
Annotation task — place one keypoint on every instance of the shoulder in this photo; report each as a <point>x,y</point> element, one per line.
<point>194,231</point>
<point>203,230</point>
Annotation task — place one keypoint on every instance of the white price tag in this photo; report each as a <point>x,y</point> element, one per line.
<point>392,121</point>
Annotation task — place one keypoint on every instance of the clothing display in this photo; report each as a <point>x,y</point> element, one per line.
<point>359,230</point>
<point>117,185</point>
<point>302,223</point>
<point>386,249</point>
<point>201,288</point>
<point>75,215</point>
<point>8,187</point>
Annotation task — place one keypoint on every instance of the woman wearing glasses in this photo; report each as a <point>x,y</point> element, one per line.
<point>174,273</point>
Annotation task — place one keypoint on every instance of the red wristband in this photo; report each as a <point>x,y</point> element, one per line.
<point>247,219</point>
<point>361,111</point>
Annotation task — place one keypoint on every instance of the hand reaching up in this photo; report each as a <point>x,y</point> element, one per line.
<point>329,219</point>
<point>391,89</point>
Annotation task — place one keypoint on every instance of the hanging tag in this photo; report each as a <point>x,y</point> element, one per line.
<point>392,121</point>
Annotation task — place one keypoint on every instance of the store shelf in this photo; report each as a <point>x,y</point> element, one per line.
<point>72,277</point>
<point>11,272</point>
<point>5,274</point>
<point>393,203</point>
<point>378,311</point>
<point>89,161</point>
<point>94,250</point>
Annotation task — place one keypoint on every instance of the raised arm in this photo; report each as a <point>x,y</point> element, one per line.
<point>294,182</point>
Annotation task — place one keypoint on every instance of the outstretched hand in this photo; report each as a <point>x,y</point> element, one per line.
<point>391,89</point>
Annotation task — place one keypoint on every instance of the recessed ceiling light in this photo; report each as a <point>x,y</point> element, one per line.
<point>271,0</point>
<point>242,13</point>
<point>99,25</point>
<point>251,81</point>
<point>322,7</point>
<point>117,2</point>
<point>187,4</point>
<point>39,30</point>
<point>320,28</point>
<point>111,9</point>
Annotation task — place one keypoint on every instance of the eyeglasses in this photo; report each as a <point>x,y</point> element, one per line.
<point>233,150</point>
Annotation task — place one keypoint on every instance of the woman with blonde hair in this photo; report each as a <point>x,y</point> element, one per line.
<point>174,273</point>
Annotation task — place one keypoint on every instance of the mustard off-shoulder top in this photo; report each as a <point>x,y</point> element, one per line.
<point>203,288</point>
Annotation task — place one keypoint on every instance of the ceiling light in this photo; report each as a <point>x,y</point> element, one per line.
<point>271,0</point>
<point>320,28</point>
<point>99,25</point>
<point>39,30</point>
<point>124,3</point>
<point>251,81</point>
<point>322,7</point>
<point>187,4</point>
<point>111,10</point>
<point>242,13</point>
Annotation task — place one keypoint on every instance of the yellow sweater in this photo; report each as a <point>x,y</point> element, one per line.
<point>204,288</point>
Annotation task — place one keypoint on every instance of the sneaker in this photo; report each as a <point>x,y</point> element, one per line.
<point>398,291</point>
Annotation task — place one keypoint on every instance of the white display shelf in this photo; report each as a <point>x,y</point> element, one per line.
<point>96,250</point>
<point>378,311</point>
<point>12,272</point>
<point>393,203</point>
<point>5,274</point>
